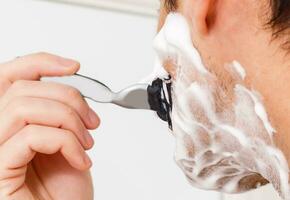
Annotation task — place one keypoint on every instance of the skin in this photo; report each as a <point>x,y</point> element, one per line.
<point>44,132</point>
<point>227,30</point>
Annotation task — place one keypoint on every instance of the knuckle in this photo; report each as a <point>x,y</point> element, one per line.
<point>26,134</point>
<point>73,93</point>
<point>19,84</point>
<point>77,100</point>
<point>4,86</point>
<point>42,54</point>
<point>69,112</point>
<point>69,138</point>
<point>19,102</point>
<point>17,106</point>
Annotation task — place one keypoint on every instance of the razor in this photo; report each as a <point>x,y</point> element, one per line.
<point>155,96</point>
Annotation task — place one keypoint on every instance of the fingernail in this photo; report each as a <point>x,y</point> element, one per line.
<point>87,160</point>
<point>93,117</point>
<point>88,139</point>
<point>65,62</point>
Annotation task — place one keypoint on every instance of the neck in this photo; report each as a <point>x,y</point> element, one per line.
<point>269,74</point>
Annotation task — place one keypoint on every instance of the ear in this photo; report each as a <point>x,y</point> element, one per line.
<point>202,13</point>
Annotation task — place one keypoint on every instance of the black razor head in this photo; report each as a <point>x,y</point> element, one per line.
<point>160,98</point>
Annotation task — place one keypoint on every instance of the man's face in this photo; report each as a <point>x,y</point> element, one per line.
<point>221,126</point>
<point>223,33</point>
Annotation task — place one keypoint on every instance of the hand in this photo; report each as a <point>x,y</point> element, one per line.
<point>43,132</point>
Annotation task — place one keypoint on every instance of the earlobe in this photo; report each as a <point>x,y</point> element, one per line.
<point>201,11</point>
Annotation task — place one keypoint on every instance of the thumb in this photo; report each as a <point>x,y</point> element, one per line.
<point>35,66</point>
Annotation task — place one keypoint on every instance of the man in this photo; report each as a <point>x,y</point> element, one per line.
<point>252,32</point>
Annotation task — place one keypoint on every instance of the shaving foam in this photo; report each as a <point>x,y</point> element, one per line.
<point>224,139</point>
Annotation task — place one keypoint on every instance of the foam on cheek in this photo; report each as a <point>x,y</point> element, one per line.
<point>239,69</point>
<point>223,143</point>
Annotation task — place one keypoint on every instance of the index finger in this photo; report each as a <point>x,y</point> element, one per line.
<point>34,66</point>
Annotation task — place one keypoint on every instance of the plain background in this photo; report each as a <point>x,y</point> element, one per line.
<point>133,154</point>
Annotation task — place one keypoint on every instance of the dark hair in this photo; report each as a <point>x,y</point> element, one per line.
<point>170,5</point>
<point>280,14</point>
<point>280,19</point>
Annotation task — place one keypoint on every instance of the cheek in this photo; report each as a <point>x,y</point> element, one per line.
<point>162,17</point>
<point>213,53</point>
<point>212,48</point>
<point>170,67</point>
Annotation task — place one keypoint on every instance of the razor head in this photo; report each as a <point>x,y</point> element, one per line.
<point>160,98</point>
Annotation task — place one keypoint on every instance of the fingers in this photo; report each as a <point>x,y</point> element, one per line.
<point>53,91</point>
<point>21,148</point>
<point>34,66</point>
<point>28,110</point>
<point>4,85</point>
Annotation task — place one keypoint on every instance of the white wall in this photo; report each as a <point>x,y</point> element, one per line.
<point>133,155</point>
<point>143,7</point>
